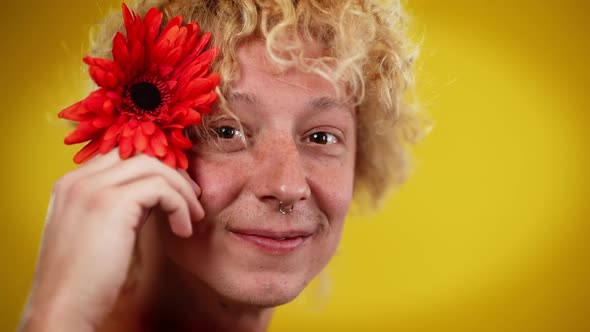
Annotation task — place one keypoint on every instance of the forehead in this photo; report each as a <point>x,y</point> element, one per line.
<point>310,51</point>
<point>260,72</point>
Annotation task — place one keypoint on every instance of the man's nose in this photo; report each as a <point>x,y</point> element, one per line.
<point>280,173</point>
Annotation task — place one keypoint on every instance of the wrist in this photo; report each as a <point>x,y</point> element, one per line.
<point>53,316</point>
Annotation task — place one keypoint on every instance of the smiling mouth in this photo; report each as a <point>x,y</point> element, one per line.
<point>273,243</point>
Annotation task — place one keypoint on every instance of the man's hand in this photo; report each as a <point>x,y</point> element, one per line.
<point>92,222</point>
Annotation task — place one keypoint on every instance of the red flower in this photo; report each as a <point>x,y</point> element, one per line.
<point>157,84</point>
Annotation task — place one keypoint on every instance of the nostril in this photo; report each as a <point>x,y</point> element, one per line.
<point>281,177</point>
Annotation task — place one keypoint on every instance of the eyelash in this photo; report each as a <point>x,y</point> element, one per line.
<point>326,138</point>
<point>329,139</point>
<point>223,130</point>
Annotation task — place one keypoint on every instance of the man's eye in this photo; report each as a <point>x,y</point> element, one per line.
<point>322,138</point>
<point>227,132</point>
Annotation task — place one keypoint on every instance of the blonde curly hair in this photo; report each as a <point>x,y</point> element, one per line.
<point>365,46</point>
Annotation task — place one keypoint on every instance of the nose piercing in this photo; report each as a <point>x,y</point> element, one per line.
<point>285,209</point>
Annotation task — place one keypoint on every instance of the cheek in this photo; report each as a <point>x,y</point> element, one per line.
<point>220,182</point>
<point>333,190</point>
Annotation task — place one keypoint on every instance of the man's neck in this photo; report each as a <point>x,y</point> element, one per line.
<point>185,301</point>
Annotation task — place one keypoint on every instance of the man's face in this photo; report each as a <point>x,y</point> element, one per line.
<point>301,150</point>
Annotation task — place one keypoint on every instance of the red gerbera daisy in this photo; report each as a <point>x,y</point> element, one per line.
<point>157,84</point>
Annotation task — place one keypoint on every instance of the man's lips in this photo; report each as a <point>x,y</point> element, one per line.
<point>273,241</point>
<point>273,234</point>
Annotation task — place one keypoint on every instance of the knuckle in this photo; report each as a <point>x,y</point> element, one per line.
<point>148,163</point>
<point>159,182</point>
<point>145,159</point>
<point>78,188</point>
<point>57,186</point>
<point>63,184</point>
<point>198,190</point>
<point>142,157</point>
<point>103,199</point>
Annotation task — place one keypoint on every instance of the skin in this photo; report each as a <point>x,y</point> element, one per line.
<point>301,149</point>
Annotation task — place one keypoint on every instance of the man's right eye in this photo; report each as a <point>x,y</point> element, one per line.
<point>227,132</point>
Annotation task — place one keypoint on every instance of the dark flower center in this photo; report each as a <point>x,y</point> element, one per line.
<point>145,95</point>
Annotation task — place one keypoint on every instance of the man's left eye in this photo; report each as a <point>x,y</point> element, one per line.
<point>322,138</point>
<point>227,132</point>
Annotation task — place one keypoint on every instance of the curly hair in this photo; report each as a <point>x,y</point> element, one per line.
<point>365,46</point>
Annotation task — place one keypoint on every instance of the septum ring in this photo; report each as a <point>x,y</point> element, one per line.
<point>285,209</point>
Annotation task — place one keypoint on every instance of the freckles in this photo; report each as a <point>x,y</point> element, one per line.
<point>335,182</point>
<point>333,190</point>
<point>221,179</point>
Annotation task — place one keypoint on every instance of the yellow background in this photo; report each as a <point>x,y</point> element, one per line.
<point>492,231</point>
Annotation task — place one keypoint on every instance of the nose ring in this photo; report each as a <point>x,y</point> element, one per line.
<point>285,209</point>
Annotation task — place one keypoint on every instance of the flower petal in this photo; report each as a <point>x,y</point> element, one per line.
<point>148,127</point>
<point>192,33</point>
<point>114,97</point>
<point>84,131</point>
<point>214,78</point>
<point>203,100</point>
<point>172,58</point>
<point>202,43</point>
<point>179,140</point>
<point>195,88</point>
<point>149,151</point>
<point>165,70</point>
<point>170,159</point>
<point>191,41</point>
<point>128,18</point>
<point>181,159</point>
<point>195,69</point>
<point>140,141</point>
<point>180,37</point>
<point>133,25</point>
<point>87,152</point>
<point>103,78</point>
<point>159,144</point>
<point>107,145</point>
<point>178,59</point>
<point>95,101</point>
<point>126,147</point>
<point>152,22</point>
<point>209,55</point>
<point>76,112</point>
<point>101,122</point>
<point>112,132</point>
<point>108,108</point>
<point>127,131</point>
<point>120,51</point>
<point>193,117</point>
<point>102,64</point>
<point>172,24</point>
<point>171,84</point>
<point>133,123</point>
<point>137,59</point>
<point>177,115</point>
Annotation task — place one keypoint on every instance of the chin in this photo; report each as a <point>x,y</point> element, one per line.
<point>225,267</point>
<point>257,286</point>
<point>259,290</point>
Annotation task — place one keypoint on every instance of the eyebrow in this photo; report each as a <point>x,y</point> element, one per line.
<point>323,103</point>
<point>247,98</point>
<point>314,104</point>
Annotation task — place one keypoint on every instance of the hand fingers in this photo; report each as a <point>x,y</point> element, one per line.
<point>101,162</point>
<point>97,163</point>
<point>154,191</point>
<point>90,167</point>
<point>195,186</point>
<point>142,166</point>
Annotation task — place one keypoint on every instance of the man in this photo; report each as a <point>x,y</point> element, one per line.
<point>310,112</point>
